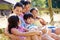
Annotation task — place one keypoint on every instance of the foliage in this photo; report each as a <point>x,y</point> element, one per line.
<point>17,0</point>
<point>39,3</point>
<point>55,3</point>
<point>2,35</point>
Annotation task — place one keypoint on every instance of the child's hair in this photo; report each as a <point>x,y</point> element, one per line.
<point>22,1</point>
<point>33,9</point>
<point>26,3</point>
<point>12,22</point>
<point>26,16</point>
<point>18,4</point>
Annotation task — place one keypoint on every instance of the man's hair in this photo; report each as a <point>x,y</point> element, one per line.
<point>18,4</point>
<point>26,16</point>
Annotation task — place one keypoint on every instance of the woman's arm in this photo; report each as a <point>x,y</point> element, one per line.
<point>16,32</point>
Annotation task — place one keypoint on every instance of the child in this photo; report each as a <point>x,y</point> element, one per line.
<point>27,6</point>
<point>30,26</point>
<point>29,20</point>
<point>18,7</point>
<point>13,28</point>
<point>35,14</point>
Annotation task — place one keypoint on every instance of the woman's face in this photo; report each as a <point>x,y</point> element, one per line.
<point>18,10</point>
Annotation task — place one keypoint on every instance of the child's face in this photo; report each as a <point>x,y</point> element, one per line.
<point>27,7</point>
<point>19,23</point>
<point>35,12</point>
<point>30,20</point>
<point>18,10</point>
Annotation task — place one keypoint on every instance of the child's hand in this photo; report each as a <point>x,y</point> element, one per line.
<point>40,33</point>
<point>12,36</point>
<point>26,30</point>
<point>44,31</point>
<point>42,21</point>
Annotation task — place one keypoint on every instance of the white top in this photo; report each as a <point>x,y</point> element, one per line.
<point>12,14</point>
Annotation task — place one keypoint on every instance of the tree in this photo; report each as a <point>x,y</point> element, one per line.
<point>39,3</point>
<point>55,3</point>
<point>58,3</point>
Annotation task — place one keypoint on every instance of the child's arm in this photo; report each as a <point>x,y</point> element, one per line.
<point>16,32</point>
<point>9,35</point>
<point>42,21</point>
<point>26,30</point>
<point>44,30</point>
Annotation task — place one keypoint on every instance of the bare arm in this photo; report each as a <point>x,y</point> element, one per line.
<point>7,33</point>
<point>16,32</point>
<point>26,30</point>
<point>42,21</point>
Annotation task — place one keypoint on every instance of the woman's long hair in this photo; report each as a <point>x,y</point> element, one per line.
<point>12,22</point>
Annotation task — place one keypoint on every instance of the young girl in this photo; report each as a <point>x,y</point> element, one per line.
<point>29,20</point>
<point>19,32</point>
<point>35,14</point>
<point>17,11</point>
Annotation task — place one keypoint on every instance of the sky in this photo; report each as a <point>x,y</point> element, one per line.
<point>12,1</point>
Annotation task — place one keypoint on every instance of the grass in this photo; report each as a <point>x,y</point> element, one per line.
<point>3,36</point>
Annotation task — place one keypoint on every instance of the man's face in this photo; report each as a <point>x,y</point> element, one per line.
<point>18,10</point>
